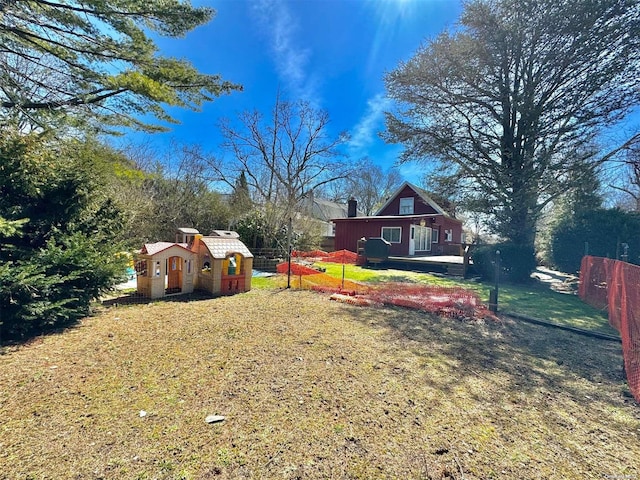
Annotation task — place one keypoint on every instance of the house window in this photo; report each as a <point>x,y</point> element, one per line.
<point>392,234</point>
<point>448,235</point>
<point>434,235</point>
<point>406,206</point>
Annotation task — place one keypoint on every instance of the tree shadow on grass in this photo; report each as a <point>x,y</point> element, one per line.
<point>524,396</point>
<point>528,359</point>
<point>397,278</point>
<point>136,299</point>
<point>120,300</point>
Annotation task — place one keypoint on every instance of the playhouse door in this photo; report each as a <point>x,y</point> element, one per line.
<point>174,274</point>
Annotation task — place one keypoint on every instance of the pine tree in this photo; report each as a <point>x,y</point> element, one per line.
<point>96,60</point>
<point>56,245</point>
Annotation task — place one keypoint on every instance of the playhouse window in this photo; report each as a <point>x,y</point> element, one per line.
<point>448,235</point>
<point>141,268</point>
<point>206,263</point>
<point>406,206</point>
<point>434,235</point>
<point>157,269</point>
<point>392,234</point>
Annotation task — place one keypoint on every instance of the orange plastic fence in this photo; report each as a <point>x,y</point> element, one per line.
<point>447,301</point>
<point>309,278</point>
<point>616,285</point>
<point>311,253</point>
<point>296,269</point>
<point>341,256</point>
<point>452,302</point>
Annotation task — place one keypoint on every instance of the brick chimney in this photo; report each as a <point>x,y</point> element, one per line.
<point>352,208</point>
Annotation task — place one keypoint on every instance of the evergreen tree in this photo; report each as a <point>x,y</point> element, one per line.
<point>58,253</point>
<point>96,59</point>
<point>603,230</point>
<point>240,201</point>
<point>569,214</point>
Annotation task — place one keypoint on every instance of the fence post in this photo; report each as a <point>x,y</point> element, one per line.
<point>289,228</point>
<point>493,294</point>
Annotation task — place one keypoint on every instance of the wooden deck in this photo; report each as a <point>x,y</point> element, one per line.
<point>451,264</point>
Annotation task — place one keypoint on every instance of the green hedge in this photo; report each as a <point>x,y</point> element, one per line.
<point>605,230</point>
<point>516,262</point>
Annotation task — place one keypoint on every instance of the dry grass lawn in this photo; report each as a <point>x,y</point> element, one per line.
<point>312,389</point>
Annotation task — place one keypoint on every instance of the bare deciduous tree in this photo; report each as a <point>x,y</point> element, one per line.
<point>630,185</point>
<point>285,158</point>
<point>370,185</point>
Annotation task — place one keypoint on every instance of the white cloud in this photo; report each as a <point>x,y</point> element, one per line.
<point>365,133</point>
<point>291,60</point>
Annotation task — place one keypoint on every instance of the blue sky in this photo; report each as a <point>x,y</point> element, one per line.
<point>333,53</point>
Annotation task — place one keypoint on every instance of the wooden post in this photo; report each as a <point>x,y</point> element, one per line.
<point>289,227</point>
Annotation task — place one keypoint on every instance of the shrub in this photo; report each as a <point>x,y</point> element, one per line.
<point>57,251</point>
<point>516,262</point>
<point>603,229</point>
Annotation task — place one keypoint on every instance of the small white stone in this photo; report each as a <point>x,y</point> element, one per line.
<point>142,413</point>
<point>214,419</point>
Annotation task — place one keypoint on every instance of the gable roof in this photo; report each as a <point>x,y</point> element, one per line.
<point>420,192</point>
<point>221,247</point>
<point>154,248</point>
<point>325,210</point>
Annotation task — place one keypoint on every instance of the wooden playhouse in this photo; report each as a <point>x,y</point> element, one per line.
<point>219,264</point>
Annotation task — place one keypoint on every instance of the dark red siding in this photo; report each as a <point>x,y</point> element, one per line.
<point>419,205</point>
<point>350,230</point>
<point>444,223</point>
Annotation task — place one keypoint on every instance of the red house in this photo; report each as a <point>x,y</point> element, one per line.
<point>411,221</point>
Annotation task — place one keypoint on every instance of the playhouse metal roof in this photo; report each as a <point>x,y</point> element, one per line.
<point>221,247</point>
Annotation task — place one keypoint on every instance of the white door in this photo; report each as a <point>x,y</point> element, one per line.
<point>412,240</point>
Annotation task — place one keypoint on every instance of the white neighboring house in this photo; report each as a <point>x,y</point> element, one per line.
<point>322,212</point>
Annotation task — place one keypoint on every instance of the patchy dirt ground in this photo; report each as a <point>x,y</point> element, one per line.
<point>312,389</point>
